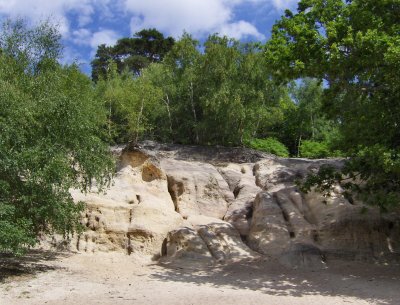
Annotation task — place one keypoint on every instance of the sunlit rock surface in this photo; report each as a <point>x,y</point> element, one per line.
<point>225,204</point>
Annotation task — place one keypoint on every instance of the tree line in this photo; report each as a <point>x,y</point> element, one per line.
<point>220,92</point>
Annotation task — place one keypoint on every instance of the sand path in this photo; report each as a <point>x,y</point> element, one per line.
<point>45,278</point>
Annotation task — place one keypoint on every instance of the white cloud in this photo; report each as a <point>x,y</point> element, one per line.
<point>81,36</point>
<point>284,4</point>
<point>197,17</point>
<point>37,10</point>
<point>84,37</point>
<point>240,29</point>
<point>174,16</point>
<point>107,37</point>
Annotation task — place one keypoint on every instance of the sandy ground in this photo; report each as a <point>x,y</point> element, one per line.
<point>49,278</point>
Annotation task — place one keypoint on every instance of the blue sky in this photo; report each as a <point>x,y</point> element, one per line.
<point>84,24</point>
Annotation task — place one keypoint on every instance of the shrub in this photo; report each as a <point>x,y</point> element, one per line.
<point>313,149</point>
<point>269,145</point>
<point>50,138</point>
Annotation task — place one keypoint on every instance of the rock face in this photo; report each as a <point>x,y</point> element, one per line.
<point>242,184</point>
<point>197,188</point>
<point>135,214</point>
<point>220,204</point>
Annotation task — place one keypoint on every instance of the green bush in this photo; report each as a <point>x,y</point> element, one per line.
<point>50,138</point>
<point>269,145</point>
<point>313,149</point>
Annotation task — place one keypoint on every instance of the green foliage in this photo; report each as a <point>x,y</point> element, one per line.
<point>305,120</point>
<point>182,64</point>
<point>50,140</point>
<point>314,150</point>
<point>269,145</point>
<point>30,47</point>
<point>237,98</point>
<point>132,54</point>
<point>133,105</point>
<point>355,47</point>
<point>372,176</point>
<point>222,95</point>
<point>219,96</point>
<point>221,102</point>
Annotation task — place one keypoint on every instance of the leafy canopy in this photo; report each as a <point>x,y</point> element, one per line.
<point>219,96</point>
<point>355,47</point>
<point>50,140</point>
<point>134,54</point>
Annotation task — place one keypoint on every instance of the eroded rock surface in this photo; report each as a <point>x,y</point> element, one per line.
<point>208,238</point>
<point>134,215</point>
<point>197,188</point>
<point>241,181</point>
<point>221,204</point>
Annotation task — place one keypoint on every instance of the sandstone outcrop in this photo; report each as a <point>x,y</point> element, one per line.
<point>207,238</point>
<point>197,188</point>
<point>242,184</point>
<point>134,215</point>
<point>219,204</point>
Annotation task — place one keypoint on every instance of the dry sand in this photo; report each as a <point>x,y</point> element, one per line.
<point>48,278</point>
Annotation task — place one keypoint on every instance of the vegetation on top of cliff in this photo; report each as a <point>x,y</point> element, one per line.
<point>222,95</point>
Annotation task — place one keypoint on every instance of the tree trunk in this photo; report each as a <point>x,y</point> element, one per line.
<point>194,113</point>
<point>298,146</point>
<point>138,121</point>
<point>259,119</point>
<point>109,121</point>
<point>166,101</point>
<point>312,127</point>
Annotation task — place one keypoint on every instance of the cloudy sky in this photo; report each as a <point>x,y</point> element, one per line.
<point>84,24</point>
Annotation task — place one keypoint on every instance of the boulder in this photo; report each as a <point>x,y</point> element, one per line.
<point>185,242</point>
<point>208,238</point>
<point>269,233</point>
<point>197,188</point>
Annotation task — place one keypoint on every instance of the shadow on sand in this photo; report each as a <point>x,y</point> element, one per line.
<point>33,262</point>
<point>369,282</point>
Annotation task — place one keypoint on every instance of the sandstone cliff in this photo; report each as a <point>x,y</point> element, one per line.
<point>224,204</point>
